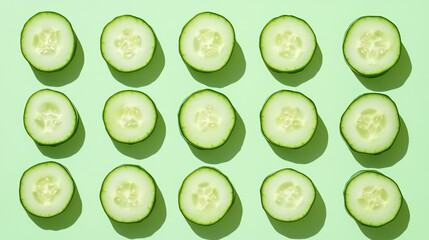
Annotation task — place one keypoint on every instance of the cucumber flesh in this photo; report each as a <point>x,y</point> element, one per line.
<point>287,44</point>
<point>128,43</point>
<point>372,46</point>
<point>48,41</point>
<point>205,196</point>
<point>371,123</point>
<point>129,116</point>
<point>46,189</point>
<point>287,195</point>
<point>372,198</point>
<point>288,119</point>
<point>50,118</point>
<point>128,194</point>
<point>206,42</point>
<point>206,119</point>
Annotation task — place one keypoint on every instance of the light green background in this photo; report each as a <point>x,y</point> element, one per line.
<point>247,158</point>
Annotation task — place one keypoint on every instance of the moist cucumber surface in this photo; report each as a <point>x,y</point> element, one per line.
<point>128,194</point>
<point>129,116</point>
<point>206,119</point>
<point>370,123</point>
<point>50,117</point>
<point>372,198</point>
<point>48,41</point>
<point>287,195</point>
<point>205,196</point>
<point>128,43</point>
<point>46,189</point>
<point>288,119</point>
<point>287,44</point>
<point>206,42</point>
<point>372,45</point>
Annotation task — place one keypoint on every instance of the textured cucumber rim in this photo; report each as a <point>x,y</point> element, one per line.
<point>359,173</point>
<point>347,110</point>
<point>39,165</point>
<point>182,54</point>
<point>291,70</point>
<point>76,125</point>
<point>267,178</point>
<point>375,74</point>
<point>139,168</point>
<point>220,174</point>
<point>230,132</point>
<point>130,91</point>
<point>74,41</point>
<point>136,19</point>
<point>261,117</point>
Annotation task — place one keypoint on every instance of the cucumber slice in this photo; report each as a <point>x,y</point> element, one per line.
<point>287,195</point>
<point>371,123</point>
<point>129,116</point>
<point>372,198</point>
<point>205,196</point>
<point>288,119</point>
<point>46,189</point>
<point>128,194</point>
<point>372,46</point>
<point>206,119</point>
<point>287,44</point>
<point>50,117</point>
<point>48,41</point>
<point>206,42</point>
<point>127,43</point>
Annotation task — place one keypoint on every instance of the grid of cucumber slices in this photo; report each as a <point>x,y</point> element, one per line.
<point>207,118</point>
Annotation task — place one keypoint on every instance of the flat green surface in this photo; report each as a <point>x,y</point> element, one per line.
<point>247,158</point>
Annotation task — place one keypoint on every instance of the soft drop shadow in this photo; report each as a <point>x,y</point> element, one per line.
<point>391,230</point>
<point>298,78</point>
<point>309,152</point>
<point>392,79</point>
<point>390,157</point>
<point>149,225</point>
<point>149,146</point>
<point>229,74</point>
<point>307,227</point>
<point>227,151</point>
<point>66,75</point>
<point>68,148</point>
<point>64,219</point>
<point>227,225</point>
<point>144,76</point>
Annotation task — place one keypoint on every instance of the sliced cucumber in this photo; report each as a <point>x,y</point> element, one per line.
<point>50,117</point>
<point>372,46</point>
<point>287,195</point>
<point>46,189</point>
<point>205,196</point>
<point>129,116</point>
<point>287,44</point>
<point>206,119</point>
<point>127,43</point>
<point>128,194</point>
<point>48,41</point>
<point>371,123</point>
<point>372,198</point>
<point>288,119</point>
<point>206,42</point>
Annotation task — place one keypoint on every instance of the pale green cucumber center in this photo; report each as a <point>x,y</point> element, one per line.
<point>48,117</point>
<point>370,123</point>
<point>290,119</point>
<point>205,197</point>
<point>127,195</point>
<point>46,41</point>
<point>289,45</point>
<point>128,43</point>
<point>130,117</point>
<point>373,46</point>
<point>289,195</point>
<point>208,43</point>
<point>373,198</point>
<point>46,190</point>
